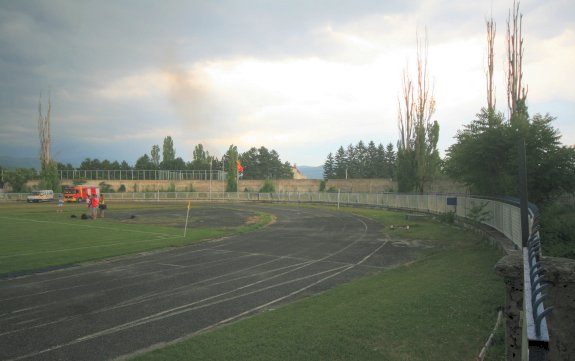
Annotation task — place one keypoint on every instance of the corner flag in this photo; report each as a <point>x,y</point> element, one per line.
<point>187,216</point>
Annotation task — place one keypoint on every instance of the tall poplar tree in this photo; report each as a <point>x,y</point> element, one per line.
<point>49,178</point>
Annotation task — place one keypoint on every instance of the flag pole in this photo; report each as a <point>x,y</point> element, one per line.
<point>187,215</point>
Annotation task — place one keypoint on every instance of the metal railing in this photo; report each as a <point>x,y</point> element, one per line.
<point>535,331</point>
<point>140,174</point>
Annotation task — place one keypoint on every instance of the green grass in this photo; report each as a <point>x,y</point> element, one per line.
<point>35,237</point>
<point>442,307</point>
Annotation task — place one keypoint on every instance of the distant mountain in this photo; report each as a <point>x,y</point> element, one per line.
<point>311,172</point>
<point>8,162</point>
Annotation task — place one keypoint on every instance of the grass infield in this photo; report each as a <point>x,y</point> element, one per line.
<point>441,307</point>
<point>35,237</point>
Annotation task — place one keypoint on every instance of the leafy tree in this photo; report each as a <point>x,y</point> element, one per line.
<point>361,162</point>
<point>407,180</point>
<point>18,179</point>
<point>178,164</point>
<point>50,177</point>
<point>550,165</point>
<point>62,166</point>
<point>417,156</point>
<point>485,157</point>
<point>251,162</point>
<point>91,164</point>
<point>480,155</point>
<point>328,167</point>
<point>168,153</point>
<point>353,165</point>
<point>373,164</point>
<point>427,155</point>
<point>262,164</point>
<point>155,154</point>
<point>144,163</point>
<point>390,160</point>
<point>232,158</point>
<point>201,158</point>
<point>340,162</point>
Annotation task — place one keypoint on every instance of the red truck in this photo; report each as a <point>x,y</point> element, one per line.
<point>80,193</point>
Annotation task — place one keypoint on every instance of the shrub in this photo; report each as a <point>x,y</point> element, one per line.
<point>268,187</point>
<point>448,217</point>
<point>106,188</point>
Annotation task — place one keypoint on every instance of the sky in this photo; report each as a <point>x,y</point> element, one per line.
<point>301,77</point>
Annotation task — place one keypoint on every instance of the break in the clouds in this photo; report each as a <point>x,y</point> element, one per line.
<point>300,77</point>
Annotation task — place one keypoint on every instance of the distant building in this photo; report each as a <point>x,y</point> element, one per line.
<point>296,173</point>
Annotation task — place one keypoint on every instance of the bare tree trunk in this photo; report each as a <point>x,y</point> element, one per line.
<point>425,99</point>
<point>491,30</point>
<point>415,109</point>
<point>44,134</point>
<point>516,93</point>
<point>425,109</point>
<point>405,120</point>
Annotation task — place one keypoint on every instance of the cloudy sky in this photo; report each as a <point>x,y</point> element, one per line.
<point>301,77</point>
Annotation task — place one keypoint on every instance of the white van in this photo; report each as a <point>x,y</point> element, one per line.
<point>41,196</point>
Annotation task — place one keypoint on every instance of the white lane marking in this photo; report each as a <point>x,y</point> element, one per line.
<point>186,308</point>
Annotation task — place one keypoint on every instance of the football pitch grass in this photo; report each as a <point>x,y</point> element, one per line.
<point>440,307</point>
<point>35,237</point>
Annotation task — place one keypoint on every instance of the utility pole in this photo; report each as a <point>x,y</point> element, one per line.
<point>523,200</point>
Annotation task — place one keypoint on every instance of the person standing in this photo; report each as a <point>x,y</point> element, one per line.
<point>60,204</point>
<point>94,205</point>
<point>102,206</point>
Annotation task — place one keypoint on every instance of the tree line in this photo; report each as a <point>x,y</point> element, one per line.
<point>361,161</point>
<point>257,163</point>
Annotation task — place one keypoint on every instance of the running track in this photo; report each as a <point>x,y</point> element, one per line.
<point>119,308</point>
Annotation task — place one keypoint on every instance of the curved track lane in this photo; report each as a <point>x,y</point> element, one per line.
<point>113,309</point>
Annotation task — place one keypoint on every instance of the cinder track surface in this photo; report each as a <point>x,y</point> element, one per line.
<point>114,309</point>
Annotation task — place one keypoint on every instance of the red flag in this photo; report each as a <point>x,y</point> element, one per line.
<point>240,168</point>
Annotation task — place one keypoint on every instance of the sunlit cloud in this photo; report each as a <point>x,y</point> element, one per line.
<point>305,83</point>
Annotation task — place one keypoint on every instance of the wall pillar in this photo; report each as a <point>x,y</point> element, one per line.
<point>510,268</point>
<point>560,274</point>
